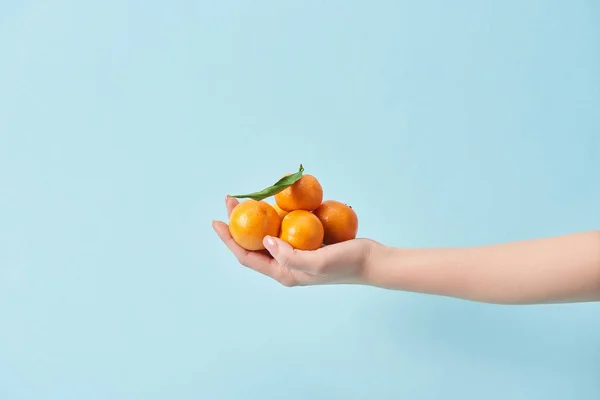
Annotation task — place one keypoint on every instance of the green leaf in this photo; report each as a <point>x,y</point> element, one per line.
<point>277,187</point>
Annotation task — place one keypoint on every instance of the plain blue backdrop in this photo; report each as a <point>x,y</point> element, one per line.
<point>124,123</point>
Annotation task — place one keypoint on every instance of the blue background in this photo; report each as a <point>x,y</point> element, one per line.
<point>124,123</point>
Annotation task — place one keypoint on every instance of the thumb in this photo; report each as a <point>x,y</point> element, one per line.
<point>290,258</point>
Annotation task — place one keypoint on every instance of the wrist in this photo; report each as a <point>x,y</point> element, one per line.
<point>411,270</point>
<point>378,264</point>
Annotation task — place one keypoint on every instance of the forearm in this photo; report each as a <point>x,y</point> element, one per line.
<point>549,270</point>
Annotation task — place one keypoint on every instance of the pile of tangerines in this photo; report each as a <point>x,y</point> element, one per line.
<point>299,216</point>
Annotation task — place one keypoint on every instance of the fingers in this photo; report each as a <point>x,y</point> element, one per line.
<point>329,263</point>
<point>223,231</point>
<point>258,261</point>
<point>230,204</point>
<point>313,262</point>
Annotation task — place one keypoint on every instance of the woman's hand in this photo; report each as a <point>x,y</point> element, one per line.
<point>344,262</point>
<point>549,270</point>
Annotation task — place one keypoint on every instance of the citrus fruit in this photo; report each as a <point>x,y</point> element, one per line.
<point>280,212</point>
<point>302,230</point>
<point>339,220</point>
<point>250,221</point>
<point>304,194</point>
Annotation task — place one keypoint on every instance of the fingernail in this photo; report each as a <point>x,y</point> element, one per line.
<point>270,244</point>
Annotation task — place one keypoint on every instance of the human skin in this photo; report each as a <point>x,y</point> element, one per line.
<point>539,271</point>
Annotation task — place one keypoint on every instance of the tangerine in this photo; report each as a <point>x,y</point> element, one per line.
<point>339,220</point>
<point>302,230</point>
<point>280,212</point>
<point>250,221</point>
<point>305,194</point>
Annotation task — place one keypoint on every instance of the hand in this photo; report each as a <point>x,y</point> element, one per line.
<point>338,263</point>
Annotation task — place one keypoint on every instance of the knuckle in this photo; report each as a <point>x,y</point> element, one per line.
<point>285,277</point>
<point>287,282</point>
<point>244,262</point>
